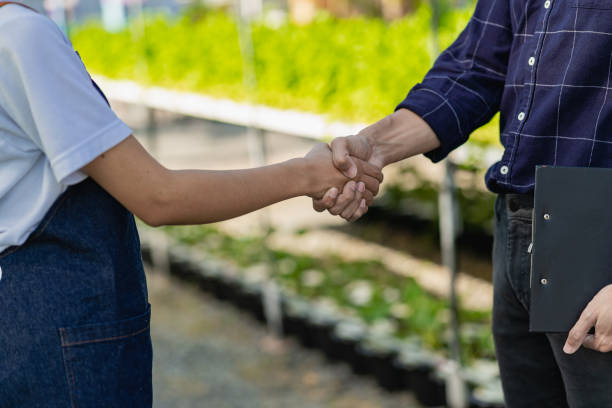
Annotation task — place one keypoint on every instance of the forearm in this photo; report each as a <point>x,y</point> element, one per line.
<point>398,136</point>
<point>161,197</point>
<point>202,196</point>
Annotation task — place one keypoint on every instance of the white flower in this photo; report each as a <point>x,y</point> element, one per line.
<point>400,310</point>
<point>391,295</point>
<point>360,292</point>
<point>312,278</point>
<point>257,273</point>
<point>383,327</point>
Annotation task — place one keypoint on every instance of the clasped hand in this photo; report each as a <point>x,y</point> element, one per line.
<point>357,177</point>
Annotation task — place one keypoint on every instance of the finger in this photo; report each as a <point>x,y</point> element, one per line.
<point>597,342</point>
<point>371,170</point>
<point>368,197</point>
<point>372,184</point>
<point>341,157</point>
<point>347,196</point>
<point>589,342</point>
<point>352,207</point>
<point>578,333</point>
<point>363,208</point>
<point>327,201</point>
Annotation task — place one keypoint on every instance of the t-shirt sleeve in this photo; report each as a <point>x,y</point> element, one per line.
<point>50,95</point>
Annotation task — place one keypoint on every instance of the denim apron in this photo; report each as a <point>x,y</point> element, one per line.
<point>74,311</point>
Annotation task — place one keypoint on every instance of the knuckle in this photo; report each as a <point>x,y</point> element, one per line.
<point>328,202</point>
<point>348,197</point>
<point>334,211</point>
<point>343,202</point>
<point>573,338</point>
<point>347,214</point>
<point>347,218</point>
<point>357,215</point>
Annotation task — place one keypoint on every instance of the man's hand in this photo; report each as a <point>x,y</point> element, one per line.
<point>349,155</point>
<point>324,173</point>
<point>597,313</point>
<point>393,138</point>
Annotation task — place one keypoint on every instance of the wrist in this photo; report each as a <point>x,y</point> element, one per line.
<point>300,176</point>
<point>398,136</point>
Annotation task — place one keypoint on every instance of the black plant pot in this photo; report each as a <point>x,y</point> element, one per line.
<point>345,339</point>
<point>488,396</point>
<point>430,389</point>
<point>208,278</point>
<point>226,288</point>
<point>380,354</point>
<point>419,375</point>
<point>322,323</point>
<point>179,263</point>
<point>402,373</point>
<point>478,403</point>
<point>296,320</point>
<point>249,298</point>
<point>247,295</point>
<point>482,378</point>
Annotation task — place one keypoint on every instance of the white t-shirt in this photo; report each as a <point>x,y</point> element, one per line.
<point>52,120</point>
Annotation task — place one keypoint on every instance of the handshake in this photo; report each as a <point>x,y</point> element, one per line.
<point>346,176</point>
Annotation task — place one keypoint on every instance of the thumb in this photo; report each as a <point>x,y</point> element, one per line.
<point>341,157</point>
<point>580,330</point>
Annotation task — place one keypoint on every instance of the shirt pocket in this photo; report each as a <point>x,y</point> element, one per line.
<point>593,4</point>
<point>109,364</point>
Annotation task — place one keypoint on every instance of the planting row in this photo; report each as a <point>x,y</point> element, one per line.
<point>397,358</point>
<point>354,69</point>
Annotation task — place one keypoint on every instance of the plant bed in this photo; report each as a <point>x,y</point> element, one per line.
<point>296,316</point>
<point>370,348</point>
<point>380,353</point>
<point>345,339</point>
<point>322,322</point>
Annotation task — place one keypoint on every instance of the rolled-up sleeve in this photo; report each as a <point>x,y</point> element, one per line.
<point>463,90</point>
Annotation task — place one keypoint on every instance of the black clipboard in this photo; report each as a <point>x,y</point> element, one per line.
<point>571,252</point>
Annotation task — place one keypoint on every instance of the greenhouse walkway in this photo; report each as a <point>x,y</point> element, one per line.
<point>209,354</point>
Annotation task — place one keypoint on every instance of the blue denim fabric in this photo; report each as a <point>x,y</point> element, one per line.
<point>534,370</point>
<point>74,311</point>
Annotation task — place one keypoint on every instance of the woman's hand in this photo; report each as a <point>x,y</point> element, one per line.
<point>325,177</point>
<point>597,313</point>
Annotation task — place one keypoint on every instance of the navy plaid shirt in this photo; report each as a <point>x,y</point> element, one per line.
<point>546,66</point>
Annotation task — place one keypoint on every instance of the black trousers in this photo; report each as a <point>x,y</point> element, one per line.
<point>534,369</point>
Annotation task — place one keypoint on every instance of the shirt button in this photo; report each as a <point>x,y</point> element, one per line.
<point>531,61</point>
<point>521,116</point>
<point>547,4</point>
<point>503,170</point>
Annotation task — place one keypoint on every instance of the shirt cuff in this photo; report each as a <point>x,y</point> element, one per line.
<point>436,110</point>
<point>67,165</point>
